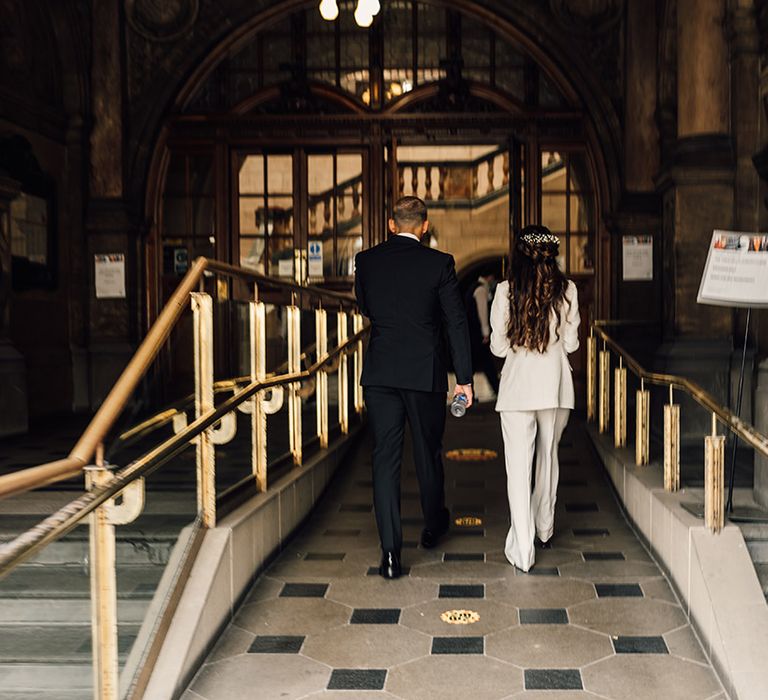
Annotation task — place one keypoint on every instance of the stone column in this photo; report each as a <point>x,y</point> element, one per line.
<point>639,209</point>
<point>703,94</point>
<point>703,168</point>
<point>697,188</point>
<point>106,176</point>
<point>641,133</point>
<point>13,373</point>
<point>110,226</point>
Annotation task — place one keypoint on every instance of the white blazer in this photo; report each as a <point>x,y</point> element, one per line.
<point>533,380</point>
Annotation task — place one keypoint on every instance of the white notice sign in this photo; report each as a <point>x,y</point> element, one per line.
<point>315,258</point>
<point>110,276</point>
<point>637,258</point>
<point>285,268</point>
<point>736,272</point>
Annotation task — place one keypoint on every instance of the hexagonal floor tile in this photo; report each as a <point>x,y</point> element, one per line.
<point>548,646</point>
<point>610,571</point>
<point>540,592</point>
<point>376,592</point>
<point>448,680</point>
<point>462,570</point>
<point>236,678</point>
<point>648,677</point>
<point>628,616</point>
<point>367,646</point>
<point>292,616</point>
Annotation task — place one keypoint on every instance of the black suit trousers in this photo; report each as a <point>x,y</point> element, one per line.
<point>388,409</point>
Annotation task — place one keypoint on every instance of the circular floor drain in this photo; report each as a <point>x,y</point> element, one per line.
<point>468,521</point>
<point>460,617</point>
<point>471,454</point>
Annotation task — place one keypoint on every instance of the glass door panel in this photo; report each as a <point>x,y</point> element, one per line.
<point>335,214</point>
<point>265,205</point>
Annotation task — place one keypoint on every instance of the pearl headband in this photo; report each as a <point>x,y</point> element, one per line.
<point>540,238</point>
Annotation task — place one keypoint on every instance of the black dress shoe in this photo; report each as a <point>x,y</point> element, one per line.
<point>390,565</point>
<point>543,545</point>
<point>430,536</point>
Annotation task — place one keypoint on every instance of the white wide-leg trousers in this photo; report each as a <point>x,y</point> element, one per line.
<point>526,432</point>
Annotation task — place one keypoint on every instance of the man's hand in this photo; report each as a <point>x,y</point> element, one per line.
<point>465,389</point>
<point>486,339</point>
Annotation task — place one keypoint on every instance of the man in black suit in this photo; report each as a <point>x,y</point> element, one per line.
<point>411,295</point>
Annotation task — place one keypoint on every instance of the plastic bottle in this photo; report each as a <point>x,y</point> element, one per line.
<point>459,405</point>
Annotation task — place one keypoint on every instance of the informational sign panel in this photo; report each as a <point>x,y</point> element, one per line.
<point>315,258</point>
<point>285,268</point>
<point>736,272</point>
<point>637,258</point>
<point>110,276</point>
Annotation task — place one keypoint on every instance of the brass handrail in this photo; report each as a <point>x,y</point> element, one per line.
<point>110,409</point>
<point>744,430</point>
<point>166,415</point>
<point>63,521</point>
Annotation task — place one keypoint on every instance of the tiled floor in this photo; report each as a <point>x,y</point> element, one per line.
<point>594,617</point>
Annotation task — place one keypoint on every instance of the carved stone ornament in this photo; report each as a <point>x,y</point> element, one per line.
<point>586,16</point>
<point>161,20</point>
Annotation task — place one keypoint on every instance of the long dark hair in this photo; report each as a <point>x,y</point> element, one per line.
<point>536,288</point>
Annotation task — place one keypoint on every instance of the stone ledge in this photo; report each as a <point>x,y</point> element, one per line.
<point>712,574</point>
<point>231,556</point>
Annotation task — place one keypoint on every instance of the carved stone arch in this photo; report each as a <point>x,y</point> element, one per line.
<point>572,73</point>
<point>320,98</point>
<point>480,98</point>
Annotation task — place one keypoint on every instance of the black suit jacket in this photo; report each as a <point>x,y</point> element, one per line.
<point>410,294</point>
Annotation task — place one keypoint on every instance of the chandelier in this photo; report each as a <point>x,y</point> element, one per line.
<point>364,14</point>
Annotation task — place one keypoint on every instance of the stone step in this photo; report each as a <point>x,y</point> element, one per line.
<point>45,681</point>
<point>54,611</point>
<point>66,582</point>
<point>762,576</point>
<point>149,540</point>
<point>56,644</point>
<point>758,550</point>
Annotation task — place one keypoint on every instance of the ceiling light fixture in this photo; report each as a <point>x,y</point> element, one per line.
<point>364,13</point>
<point>329,10</point>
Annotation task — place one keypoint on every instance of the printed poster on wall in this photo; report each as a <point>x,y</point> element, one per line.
<point>110,275</point>
<point>637,258</point>
<point>736,271</point>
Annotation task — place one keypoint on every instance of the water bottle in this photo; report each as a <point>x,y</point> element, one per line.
<point>459,405</point>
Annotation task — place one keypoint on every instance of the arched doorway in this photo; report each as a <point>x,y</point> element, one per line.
<point>296,134</point>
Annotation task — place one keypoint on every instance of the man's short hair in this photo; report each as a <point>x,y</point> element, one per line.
<point>409,212</point>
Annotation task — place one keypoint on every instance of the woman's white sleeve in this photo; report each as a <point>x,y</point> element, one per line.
<point>572,320</point>
<point>500,322</point>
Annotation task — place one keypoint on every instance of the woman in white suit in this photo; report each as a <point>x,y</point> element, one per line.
<point>534,325</point>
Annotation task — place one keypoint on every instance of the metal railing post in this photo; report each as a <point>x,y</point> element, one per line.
<point>202,308</point>
<point>643,426</point>
<point>258,337</point>
<point>591,377</point>
<point>103,589</point>
<point>671,444</point>
<point>620,405</point>
<point>321,397</point>
<point>294,367</point>
<point>357,326</point>
<point>343,335</point>
<point>714,479</point>
<point>604,406</point>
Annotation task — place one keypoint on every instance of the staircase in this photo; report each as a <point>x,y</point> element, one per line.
<point>45,609</point>
<point>756,537</point>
